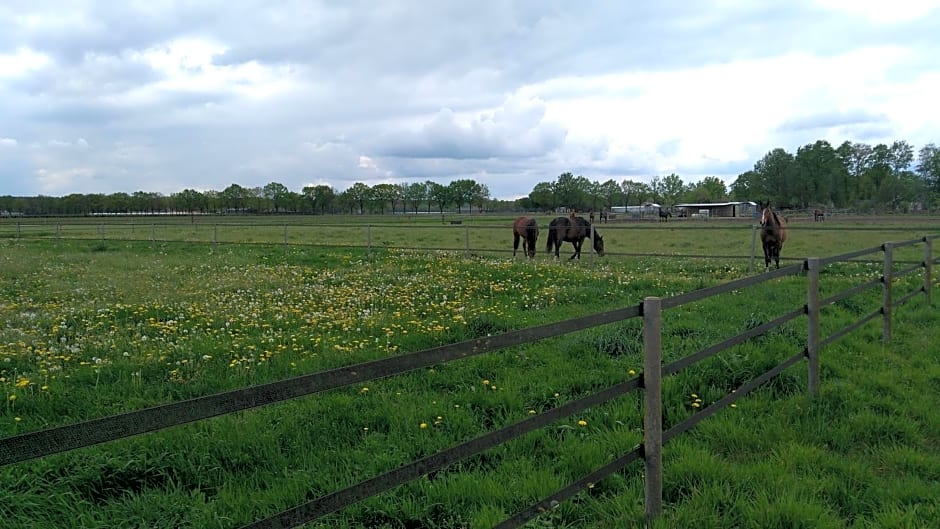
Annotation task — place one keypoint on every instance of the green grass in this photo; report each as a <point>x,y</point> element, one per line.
<point>76,313</point>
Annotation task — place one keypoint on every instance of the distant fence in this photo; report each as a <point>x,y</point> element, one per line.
<point>60,439</point>
<point>470,236</point>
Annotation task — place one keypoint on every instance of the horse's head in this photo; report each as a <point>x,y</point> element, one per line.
<point>766,216</point>
<point>598,244</point>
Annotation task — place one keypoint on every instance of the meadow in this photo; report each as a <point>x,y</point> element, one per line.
<point>95,326</point>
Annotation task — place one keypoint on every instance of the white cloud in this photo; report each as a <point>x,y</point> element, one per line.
<point>21,63</point>
<point>879,11</point>
<point>8,142</point>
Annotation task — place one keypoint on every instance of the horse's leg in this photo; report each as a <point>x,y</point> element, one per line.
<point>577,250</point>
<point>515,244</point>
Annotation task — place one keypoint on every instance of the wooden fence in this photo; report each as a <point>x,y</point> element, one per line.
<point>69,437</point>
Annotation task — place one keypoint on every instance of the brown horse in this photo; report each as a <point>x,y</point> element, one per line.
<point>773,234</point>
<point>819,215</point>
<point>573,230</point>
<point>528,230</point>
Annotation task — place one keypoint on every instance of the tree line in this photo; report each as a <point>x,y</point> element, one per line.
<point>852,176</point>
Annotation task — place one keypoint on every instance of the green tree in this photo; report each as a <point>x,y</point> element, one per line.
<point>319,197</point>
<point>708,189</point>
<point>461,192</point>
<point>275,194</point>
<point>357,195</point>
<point>415,194</point>
<point>439,195</point>
<point>542,197</point>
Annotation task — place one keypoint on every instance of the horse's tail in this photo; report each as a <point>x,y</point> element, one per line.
<point>550,239</point>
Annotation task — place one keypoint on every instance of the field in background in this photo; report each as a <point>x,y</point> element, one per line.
<point>95,327</point>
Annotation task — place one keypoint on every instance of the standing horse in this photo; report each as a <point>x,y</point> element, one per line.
<point>819,215</point>
<point>773,233</point>
<point>573,230</point>
<point>528,230</point>
<point>664,215</point>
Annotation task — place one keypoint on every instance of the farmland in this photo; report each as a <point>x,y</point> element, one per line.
<point>97,325</point>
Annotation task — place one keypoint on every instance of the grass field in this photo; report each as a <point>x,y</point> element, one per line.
<point>92,327</point>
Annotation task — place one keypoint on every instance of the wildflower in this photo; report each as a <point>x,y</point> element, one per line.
<point>631,372</point>
<point>423,425</point>
<point>582,423</point>
<point>364,390</point>
<point>696,405</point>
<point>22,382</point>
<point>17,419</point>
<point>486,382</point>
<point>531,412</point>
<point>12,397</point>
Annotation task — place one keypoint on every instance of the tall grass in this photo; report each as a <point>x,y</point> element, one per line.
<point>94,328</point>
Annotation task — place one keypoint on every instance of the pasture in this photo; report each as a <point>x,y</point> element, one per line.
<point>95,325</point>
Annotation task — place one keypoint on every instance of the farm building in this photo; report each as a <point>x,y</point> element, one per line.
<point>647,209</point>
<point>717,209</point>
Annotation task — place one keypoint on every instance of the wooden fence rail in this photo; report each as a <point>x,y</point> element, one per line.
<point>60,439</point>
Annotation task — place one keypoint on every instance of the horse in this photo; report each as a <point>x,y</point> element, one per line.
<point>528,230</point>
<point>819,215</point>
<point>573,230</point>
<point>773,234</point>
<point>604,216</point>
<point>664,215</point>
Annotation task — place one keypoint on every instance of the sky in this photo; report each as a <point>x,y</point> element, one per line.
<point>166,95</point>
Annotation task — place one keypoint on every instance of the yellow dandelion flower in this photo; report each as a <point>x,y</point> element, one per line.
<point>364,390</point>
<point>696,405</point>
<point>486,382</point>
<point>631,372</point>
<point>22,382</point>
<point>694,396</point>
<point>17,419</point>
<point>531,412</point>
<point>582,423</point>
<point>423,425</point>
<point>12,397</point>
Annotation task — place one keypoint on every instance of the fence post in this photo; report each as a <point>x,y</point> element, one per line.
<point>812,331</point>
<point>592,244</point>
<point>369,239</point>
<point>653,406</point>
<point>58,231</point>
<point>750,269</point>
<point>215,234</point>
<point>285,235</point>
<point>928,266</point>
<point>467,239</point>
<point>101,231</point>
<point>18,232</point>
<point>153,233</point>
<point>886,291</point>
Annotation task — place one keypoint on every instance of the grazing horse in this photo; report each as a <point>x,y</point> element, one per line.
<point>819,215</point>
<point>573,230</point>
<point>664,215</point>
<point>604,216</point>
<point>773,234</point>
<point>528,230</point>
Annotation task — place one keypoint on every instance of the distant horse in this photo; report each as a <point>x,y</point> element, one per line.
<point>664,215</point>
<point>773,234</point>
<point>528,230</point>
<point>573,230</point>
<point>604,216</point>
<point>819,215</point>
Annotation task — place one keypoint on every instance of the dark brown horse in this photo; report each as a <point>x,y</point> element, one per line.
<point>773,233</point>
<point>573,230</point>
<point>528,230</point>
<point>819,215</point>
<point>664,215</point>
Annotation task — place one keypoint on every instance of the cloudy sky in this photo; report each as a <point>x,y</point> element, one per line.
<point>99,96</point>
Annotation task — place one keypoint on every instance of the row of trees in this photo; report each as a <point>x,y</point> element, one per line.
<point>272,198</point>
<point>854,175</point>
